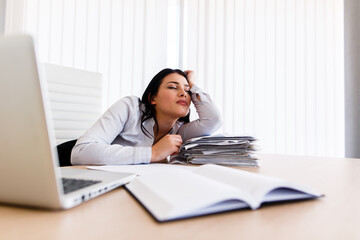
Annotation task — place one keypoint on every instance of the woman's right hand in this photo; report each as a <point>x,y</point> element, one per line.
<point>168,145</point>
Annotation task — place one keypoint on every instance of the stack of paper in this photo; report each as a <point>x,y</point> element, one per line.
<point>224,150</point>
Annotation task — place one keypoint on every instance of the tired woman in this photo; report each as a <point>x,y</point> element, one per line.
<point>148,130</point>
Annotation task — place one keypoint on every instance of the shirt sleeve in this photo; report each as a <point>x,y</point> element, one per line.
<point>95,148</point>
<point>209,116</point>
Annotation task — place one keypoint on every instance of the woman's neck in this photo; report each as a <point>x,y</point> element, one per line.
<point>164,127</point>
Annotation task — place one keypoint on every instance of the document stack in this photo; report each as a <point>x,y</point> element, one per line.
<point>222,150</point>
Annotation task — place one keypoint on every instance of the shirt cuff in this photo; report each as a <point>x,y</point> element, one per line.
<point>142,155</point>
<point>195,89</point>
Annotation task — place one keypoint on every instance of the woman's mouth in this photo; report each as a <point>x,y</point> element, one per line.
<point>182,102</point>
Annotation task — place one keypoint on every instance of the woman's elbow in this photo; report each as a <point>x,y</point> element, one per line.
<point>211,125</point>
<point>217,122</point>
<point>77,156</point>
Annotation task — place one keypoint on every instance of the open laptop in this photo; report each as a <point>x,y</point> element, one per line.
<point>29,172</point>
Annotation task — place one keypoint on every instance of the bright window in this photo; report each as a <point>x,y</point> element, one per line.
<point>274,67</point>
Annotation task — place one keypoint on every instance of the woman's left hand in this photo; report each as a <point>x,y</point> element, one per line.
<point>191,77</point>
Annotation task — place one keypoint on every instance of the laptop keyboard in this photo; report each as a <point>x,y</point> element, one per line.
<point>72,184</point>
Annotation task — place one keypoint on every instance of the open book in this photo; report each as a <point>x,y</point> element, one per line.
<point>210,189</point>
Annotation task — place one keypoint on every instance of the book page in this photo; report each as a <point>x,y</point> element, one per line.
<point>142,169</point>
<point>178,193</point>
<point>256,185</point>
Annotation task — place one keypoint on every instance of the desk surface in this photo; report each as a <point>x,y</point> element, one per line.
<point>116,215</point>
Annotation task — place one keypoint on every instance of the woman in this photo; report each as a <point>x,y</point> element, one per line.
<point>135,131</point>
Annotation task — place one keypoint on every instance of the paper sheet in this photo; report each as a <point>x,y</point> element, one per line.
<point>142,169</point>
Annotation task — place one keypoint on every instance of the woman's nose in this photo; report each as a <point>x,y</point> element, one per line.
<point>182,93</point>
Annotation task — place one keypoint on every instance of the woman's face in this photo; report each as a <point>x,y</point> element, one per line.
<point>173,98</point>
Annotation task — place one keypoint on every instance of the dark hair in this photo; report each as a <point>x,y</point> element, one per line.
<point>152,90</point>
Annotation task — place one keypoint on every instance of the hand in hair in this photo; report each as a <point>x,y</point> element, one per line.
<point>191,77</point>
<point>168,145</point>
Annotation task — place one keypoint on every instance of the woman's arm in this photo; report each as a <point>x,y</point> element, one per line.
<point>95,147</point>
<point>209,116</point>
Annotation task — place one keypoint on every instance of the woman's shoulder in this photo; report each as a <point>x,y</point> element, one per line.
<point>128,100</point>
<point>128,104</point>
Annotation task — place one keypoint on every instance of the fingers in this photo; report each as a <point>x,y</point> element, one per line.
<point>174,143</point>
<point>190,77</point>
<point>174,139</point>
<point>168,145</point>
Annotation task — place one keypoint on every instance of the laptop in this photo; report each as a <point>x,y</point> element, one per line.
<point>29,169</point>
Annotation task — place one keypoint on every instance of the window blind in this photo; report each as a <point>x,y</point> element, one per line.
<point>274,67</point>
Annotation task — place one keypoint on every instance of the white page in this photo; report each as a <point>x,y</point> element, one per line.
<point>178,193</point>
<point>142,169</point>
<point>256,185</point>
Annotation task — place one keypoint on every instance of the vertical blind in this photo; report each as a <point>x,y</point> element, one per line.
<point>124,40</point>
<point>274,67</point>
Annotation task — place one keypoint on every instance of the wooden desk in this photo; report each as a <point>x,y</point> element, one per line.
<point>116,215</point>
